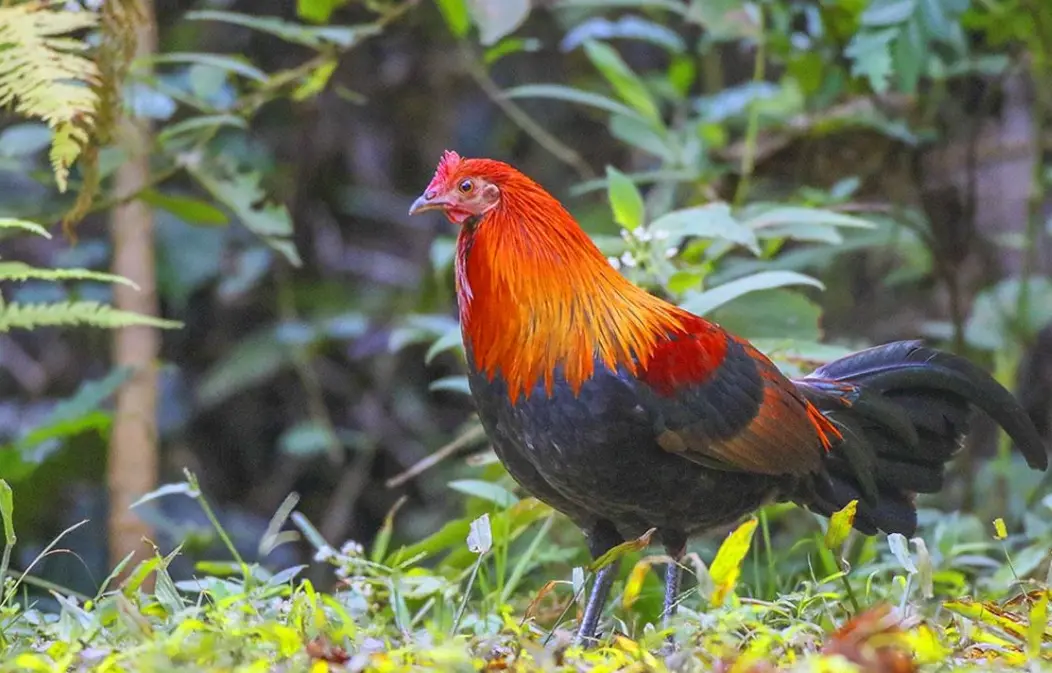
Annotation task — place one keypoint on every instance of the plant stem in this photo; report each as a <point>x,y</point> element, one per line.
<point>752,130</point>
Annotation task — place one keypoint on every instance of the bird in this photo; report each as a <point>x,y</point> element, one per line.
<point>629,414</point>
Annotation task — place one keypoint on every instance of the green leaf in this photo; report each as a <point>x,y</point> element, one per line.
<point>713,221</point>
<point>627,547</point>
<point>186,208</point>
<point>1000,531</point>
<point>455,14</point>
<point>306,439</point>
<point>314,83</point>
<point>881,13</point>
<point>7,512</point>
<point>20,271</point>
<point>66,313</point>
<point>308,36</point>
<point>629,27</point>
<point>840,526</point>
<point>317,11</point>
<point>625,82</point>
<point>870,56</point>
<point>448,341</point>
<point>625,200</point>
<point>227,63</point>
<point>726,567</point>
<point>453,384</point>
<point>783,215</point>
<point>241,192</point>
<point>66,418</point>
<point>208,122</point>
<point>485,490</point>
<point>638,133</point>
<point>570,95</point>
<point>177,488</point>
<point>725,20</point>
<point>508,46</point>
<point>909,56</point>
<point>497,18</point>
<point>24,225</point>
<point>772,314</point>
<point>701,303</point>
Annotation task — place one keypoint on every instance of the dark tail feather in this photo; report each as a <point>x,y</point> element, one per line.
<point>903,410</point>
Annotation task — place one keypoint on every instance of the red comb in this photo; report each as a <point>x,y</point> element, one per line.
<point>446,167</point>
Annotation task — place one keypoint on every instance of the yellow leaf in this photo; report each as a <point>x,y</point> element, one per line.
<point>1035,632</point>
<point>31,662</point>
<point>926,646</point>
<point>626,645</point>
<point>635,583</point>
<point>727,565</point>
<point>840,526</point>
<point>988,614</point>
<point>1000,532</point>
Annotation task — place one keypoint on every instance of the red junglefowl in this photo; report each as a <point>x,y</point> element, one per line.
<point>627,413</point>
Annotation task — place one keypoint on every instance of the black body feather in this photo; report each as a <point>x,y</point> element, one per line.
<point>595,456</point>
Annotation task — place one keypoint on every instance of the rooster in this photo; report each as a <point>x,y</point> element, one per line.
<point>627,413</point>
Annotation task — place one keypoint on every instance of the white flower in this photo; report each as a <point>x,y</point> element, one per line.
<point>352,548</point>
<point>614,262</point>
<point>643,235</point>
<point>626,234</point>
<point>324,554</point>
<point>670,253</point>
<point>628,260</point>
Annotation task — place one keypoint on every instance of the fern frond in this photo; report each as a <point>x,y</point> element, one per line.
<point>21,271</point>
<point>25,225</point>
<point>92,313</point>
<point>44,76</point>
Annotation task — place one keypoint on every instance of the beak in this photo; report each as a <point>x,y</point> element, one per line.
<point>427,201</point>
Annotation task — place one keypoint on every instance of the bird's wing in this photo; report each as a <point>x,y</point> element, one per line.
<point>718,401</point>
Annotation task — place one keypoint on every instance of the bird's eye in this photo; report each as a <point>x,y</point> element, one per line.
<point>466,187</point>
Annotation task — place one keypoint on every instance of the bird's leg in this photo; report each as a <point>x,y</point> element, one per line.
<point>594,608</point>
<point>675,548</point>
<point>601,538</point>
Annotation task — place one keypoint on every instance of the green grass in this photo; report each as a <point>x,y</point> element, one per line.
<point>501,589</point>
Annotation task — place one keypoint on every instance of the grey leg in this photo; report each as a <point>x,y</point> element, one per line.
<point>675,547</point>
<point>601,538</point>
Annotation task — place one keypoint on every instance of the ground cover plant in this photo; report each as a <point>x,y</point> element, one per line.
<point>815,176</point>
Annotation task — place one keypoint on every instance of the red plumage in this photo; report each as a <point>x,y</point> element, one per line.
<point>627,413</point>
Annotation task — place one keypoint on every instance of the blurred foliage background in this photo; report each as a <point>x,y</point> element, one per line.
<point>816,175</point>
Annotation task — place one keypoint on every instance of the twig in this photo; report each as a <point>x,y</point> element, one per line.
<point>467,439</point>
<point>560,151</point>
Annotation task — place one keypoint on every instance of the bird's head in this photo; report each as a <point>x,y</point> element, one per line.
<point>463,188</point>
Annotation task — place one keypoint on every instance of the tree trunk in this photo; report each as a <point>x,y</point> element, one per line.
<point>133,462</point>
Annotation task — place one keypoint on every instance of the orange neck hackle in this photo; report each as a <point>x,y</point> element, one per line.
<point>536,294</point>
